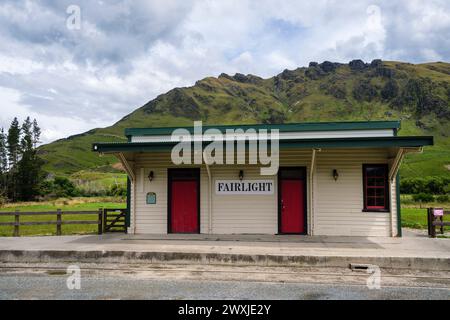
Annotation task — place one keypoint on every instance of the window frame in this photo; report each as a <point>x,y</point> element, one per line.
<point>387,204</point>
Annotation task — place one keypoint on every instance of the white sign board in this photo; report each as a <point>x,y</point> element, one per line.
<point>244,187</point>
<point>438,212</point>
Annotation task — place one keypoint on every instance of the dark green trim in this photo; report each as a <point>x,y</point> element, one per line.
<point>128,214</point>
<point>413,141</point>
<point>399,207</point>
<point>289,127</point>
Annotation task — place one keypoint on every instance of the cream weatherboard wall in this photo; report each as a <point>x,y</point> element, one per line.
<point>337,204</point>
<point>251,213</point>
<point>152,218</point>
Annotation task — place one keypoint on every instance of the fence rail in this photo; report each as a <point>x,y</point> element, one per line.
<point>108,220</point>
<point>436,221</point>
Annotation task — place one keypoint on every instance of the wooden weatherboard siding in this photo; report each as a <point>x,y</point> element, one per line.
<point>152,218</point>
<point>338,204</point>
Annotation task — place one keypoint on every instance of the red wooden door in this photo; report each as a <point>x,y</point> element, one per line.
<point>184,207</point>
<point>292,206</point>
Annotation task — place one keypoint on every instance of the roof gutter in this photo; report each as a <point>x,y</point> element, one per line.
<point>402,142</point>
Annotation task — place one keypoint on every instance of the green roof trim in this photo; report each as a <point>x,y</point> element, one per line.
<point>374,142</point>
<point>288,127</point>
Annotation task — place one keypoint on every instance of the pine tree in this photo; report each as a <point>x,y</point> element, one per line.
<point>3,165</point>
<point>13,145</point>
<point>3,153</point>
<point>20,167</point>
<point>36,134</point>
<point>26,143</point>
<point>29,173</point>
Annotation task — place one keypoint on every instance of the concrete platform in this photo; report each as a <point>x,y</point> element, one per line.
<point>261,250</point>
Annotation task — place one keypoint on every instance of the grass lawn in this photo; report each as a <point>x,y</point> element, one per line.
<point>76,204</point>
<point>414,215</point>
<point>414,218</point>
<point>417,218</point>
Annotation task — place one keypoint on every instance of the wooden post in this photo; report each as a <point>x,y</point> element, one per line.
<point>16,223</point>
<point>429,221</point>
<point>100,221</point>
<point>105,219</point>
<point>58,222</point>
<point>432,220</point>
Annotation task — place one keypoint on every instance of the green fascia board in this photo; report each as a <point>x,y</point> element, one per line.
<point>417,141</point>
<point>289,127</point>
<point>374,142</point>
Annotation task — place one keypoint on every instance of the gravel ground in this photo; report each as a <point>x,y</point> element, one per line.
<point>190,282</point>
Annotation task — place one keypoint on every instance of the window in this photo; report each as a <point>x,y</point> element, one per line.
<point>375,182</point>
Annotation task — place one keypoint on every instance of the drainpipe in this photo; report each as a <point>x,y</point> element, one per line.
<point>209,195</point>
<point>311,185</point>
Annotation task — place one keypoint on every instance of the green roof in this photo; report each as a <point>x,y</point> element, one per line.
<point>289,127</point>
<point>359,142</point>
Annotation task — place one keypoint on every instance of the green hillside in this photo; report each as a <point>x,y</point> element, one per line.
<point>419,95</point>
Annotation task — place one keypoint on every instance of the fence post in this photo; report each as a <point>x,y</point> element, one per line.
<point>16,223</point>
<point>124,220</point>
<point>429,221</point>
<point>105,219</point>
<point>100,221</point>
<point>432,220</point>
<point>58,222</point>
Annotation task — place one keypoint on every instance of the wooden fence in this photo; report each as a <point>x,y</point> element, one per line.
<point>436,221</point>
<point>103,222</point>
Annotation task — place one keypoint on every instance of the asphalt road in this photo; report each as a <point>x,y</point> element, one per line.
<point>30,285</point>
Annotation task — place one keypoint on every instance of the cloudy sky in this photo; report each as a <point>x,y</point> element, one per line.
<point>77,72</point>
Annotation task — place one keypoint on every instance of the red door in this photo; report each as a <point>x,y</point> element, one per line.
<point>184,207</point>
<point>292,206</point>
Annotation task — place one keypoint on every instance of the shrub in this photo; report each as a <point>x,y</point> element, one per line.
<point>423,197</point>
<point>118,191</point>
<point>364,91</point>
<point>443,198</point>
<point>432,185</point>
<point>390,90</point>
<point>60,187</point>
<point>447,188</point>
<point>64,188</point>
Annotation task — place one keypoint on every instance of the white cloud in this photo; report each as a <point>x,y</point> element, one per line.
<point>52,126</point>
<point>128,52</point>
